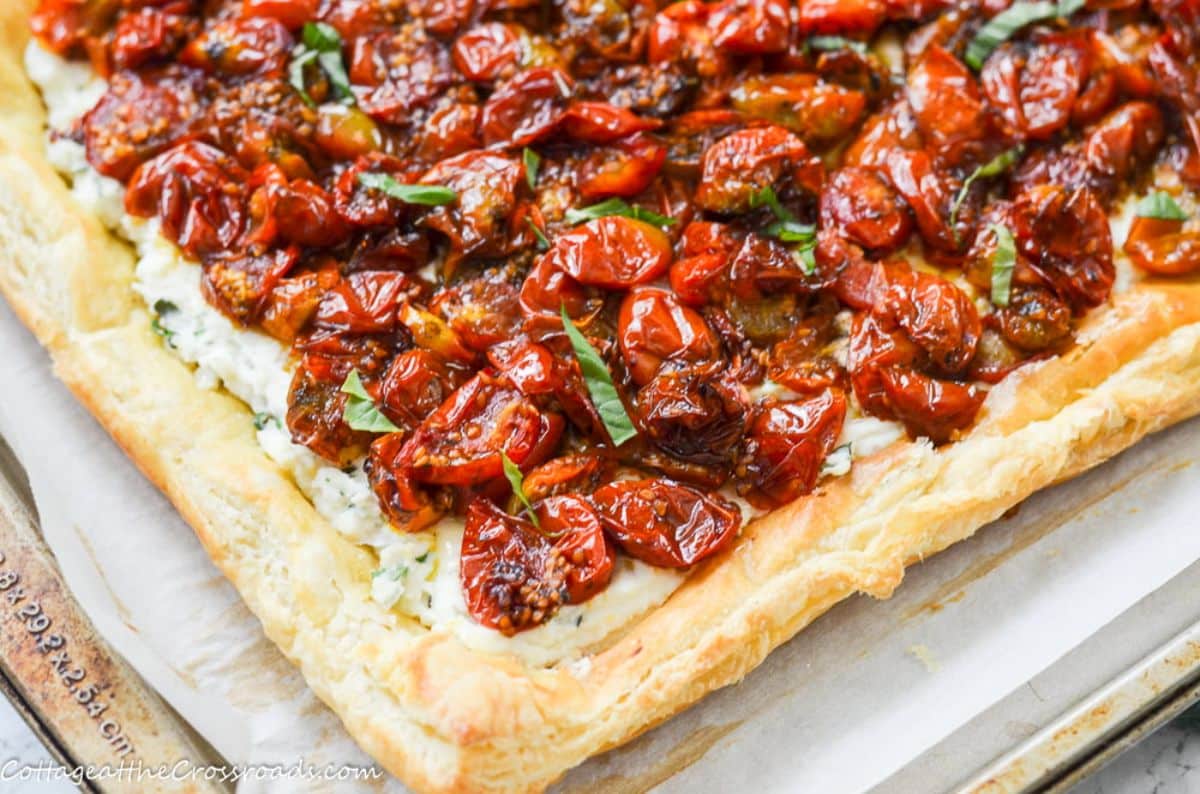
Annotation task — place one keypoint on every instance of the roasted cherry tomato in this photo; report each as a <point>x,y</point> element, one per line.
<point>928,193</point>
<point>487,51</point>
<point>841,16</point>
<point>820,112</point>
<point>928,406</point>
<point>253,45</point>
<point>364,303</point>
<point>665,523</point>
<point>613,252</point>
<point>292,13</point>
<point>600,122</point>
<point>786,445</point>
<point>935,314</point>
<point>743,163</point>
<point>750,27</point>
<point>580,473</point>
<point>461,443</point>
<point>1035,86</point>
<point>526,108</point>
<point>1034,319</point>
<point>624,168</point>
<point>414,385</point>
<point>946,103</point>
<point>482,308</point>
<point>409,507</point>
<point>402,69</point>
<point>695,414</point>
<point>863,207</point>
<point>516,578</point>
<point>655,328</point>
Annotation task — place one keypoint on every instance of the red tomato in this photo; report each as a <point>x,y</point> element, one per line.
<point>625,168</point>
<point>928,194</point>
<point>481,308</point>
<point>253,45</point>
<point>316,405</point>
<point>486,185</point>
<point>414,385</point>
<point>363,206</point>
<point>613,252</point>
<point>696,414</point>
<point>398,70</point>
<point>364,303</point>
<point>931,407</point>
<point>864,208</point>
<point>1128,135</point>
<point>841,16</point>
<point>786,445</point>
<point>528,366</point>
<point>1034,319</point>
<point>600,122</point>
<point>545,290</point>
<point>743,163</point>
<point>527,108</point>
<point>750,27</point>
<point>1066,237</point>
<point>292,13</point>
<point>935,314</point>
<point>664,523</point>
<point>487,51</point>
<point>191,190</point>
<point>1035,87</point>
<point>945,101</point>
<point>654,327</point>
<point>515,578</point>
<point>409,507</point>
<point>580,473</point>
<point>149,34</point>
<point>298,211</point>
<point>461,442</point>
<point>137,118</point>
<point>821,113</point>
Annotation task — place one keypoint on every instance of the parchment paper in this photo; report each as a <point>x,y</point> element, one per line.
<point>867,688</point>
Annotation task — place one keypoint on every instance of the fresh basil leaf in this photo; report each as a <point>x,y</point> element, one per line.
<point>300,59</point>
<point>1004,260</point>
<point>834,43</point>
<point>808,261</point>
<point>161,330</point>
<point>791,231</point>
<point>322,43</point>
<point>163,306</point>
<point>321,37</point>
<point>616,206</point>
<point>543,243</point>
<point>1160,206</point>
<point>360,412</point>
<point>600,385</point>
<point>424,556</point>
<point>395,572</point>
<point>533,161</point>
<point>1001,27</point>
<point>766,197</point>
<point>262,419</point>
<point>427,195</point>
<point>517,480</point>
<point>994,167</point>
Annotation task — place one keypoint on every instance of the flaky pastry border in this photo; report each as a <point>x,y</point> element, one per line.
<point>443,717</point>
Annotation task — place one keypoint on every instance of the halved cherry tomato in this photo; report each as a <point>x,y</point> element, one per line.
<point>928,406</point>
<point>461,442</point>
<point>1035,86</point>
<point>482,308</point>
<point>820,112</point>
<point>526,108</point>
<point>292,13</point>
<point>486,184</point>
<point>927,192</point>
<point>409,507</point>
<point>401,69</point>
<point>1034,319</point>
<point>696,414</point>
<point>744,163</point>
<point>613,252</point>
<point>487,51</point>
<point>624,168</point>
<point>600,122</point>
<point>786,445</point>
<point>935,314</point>
<point>1066,237</point>
<point>364,303</point>
<point>841,16</point>
<point>664,523</point>
<point>579,473</point>
<point>750,27</point>
<point>654,328</point>
<point>414,385</point>
<point>946,102</point>
<point>249,45</point>
<point>863,207</point>
<point>516,578</point>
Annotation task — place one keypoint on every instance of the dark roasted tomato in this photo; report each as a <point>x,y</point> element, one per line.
<point>1035,319</point>
<point>409,507</point>
<point>151,34</point>
<point>946,103</point>
<point>665,523</point>
<point>1163,247</point>
<point>1035,86</point>
<point>929,194</point>
<point>695,414</point>
<point>316,405</point>
<point>486,185</point>
<point>461,443</point>
<point>614,252</point>
<point>516,577</point>
<point>820,112</point>
<point>415,384</point>
<point>403,70</point>
<point>624,168</point>
<point>928,406</point>
<point>654,329</point>
<point>482,308</point>
<point>488,51</point>
<point>580,473</point>
<point>750,27</point>
<point>138,117</point>
<point>252,45</point>
<point>935,314</point>
<point>786,445</point>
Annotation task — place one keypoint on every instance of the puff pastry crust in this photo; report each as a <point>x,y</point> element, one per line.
<point>443,717</point>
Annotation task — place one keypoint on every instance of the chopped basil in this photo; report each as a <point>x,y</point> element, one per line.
<point>161,330</point>
<point>424,556</point>
<point>163,306</point>
<point>804,255</point>
<point>600,385</point>
<point>994,167</point>
<point>1001,27</point>
<point>360,412</point>
<point>533,162</point>
<point>1160,206</point>
<point>517,481</point>
<point>427,195</point>
<point>766,197</point>
<point>616,206</point>
<point>834,43</point>
<point>262,418</point>
<point>321,43</point>
<point>395,572</point>
<point>543,243</point>
<point>1003,261</point>
<point>791,231</point>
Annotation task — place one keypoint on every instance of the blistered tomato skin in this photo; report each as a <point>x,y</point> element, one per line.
<point>665,523</point>
<point>515,578</point>
<point>759,220</point>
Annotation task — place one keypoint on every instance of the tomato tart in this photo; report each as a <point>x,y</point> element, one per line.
<point>534,368</point>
